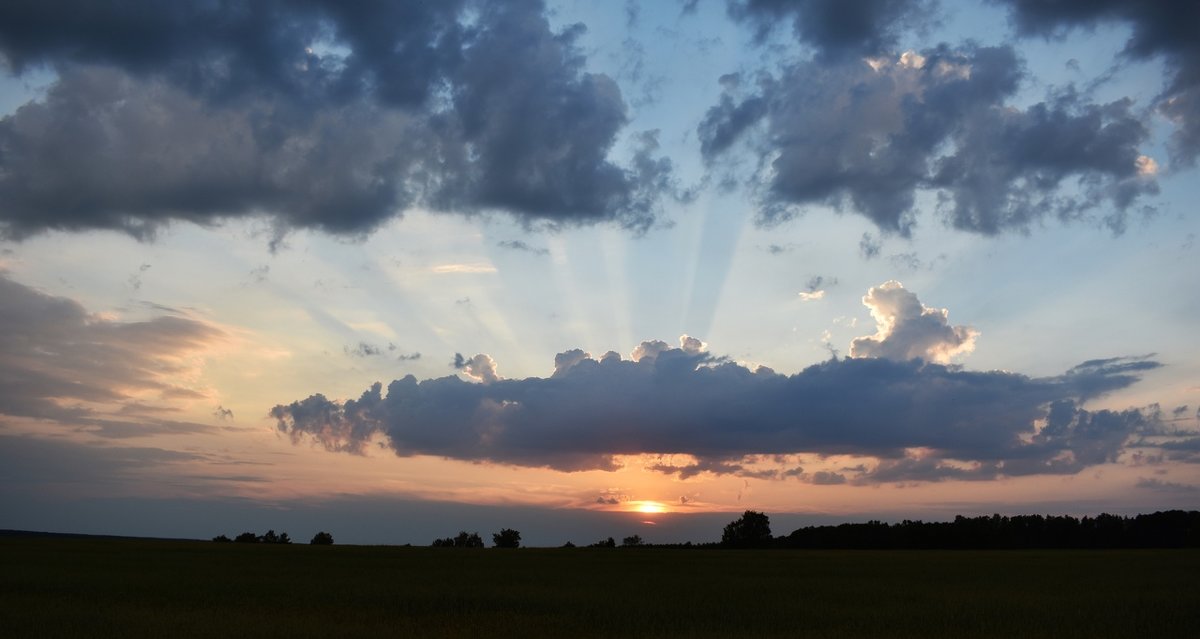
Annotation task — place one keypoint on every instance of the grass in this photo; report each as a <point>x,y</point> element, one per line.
<point>142,588</point>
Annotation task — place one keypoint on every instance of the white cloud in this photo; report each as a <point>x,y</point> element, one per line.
<point>907,329</point>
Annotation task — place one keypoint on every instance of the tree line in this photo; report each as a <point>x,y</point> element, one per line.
<point>270,537</point>
<point>1166,529</point>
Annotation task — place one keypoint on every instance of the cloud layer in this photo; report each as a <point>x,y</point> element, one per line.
<point>317,114</point>
<point>920,420</point>
<point>59,362</point>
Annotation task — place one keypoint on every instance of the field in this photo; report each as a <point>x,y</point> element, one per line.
<point>51,587</point>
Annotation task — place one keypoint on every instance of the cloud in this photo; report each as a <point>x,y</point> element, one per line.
<point>838,28</point>
<point>1159,30</point>
<point>317,115</point>
<point>481,368</point>
<point>867,135</point>
<point>363,349</point>
<point>907,329</point>
<point>813,291</point>
<point>920,420</point>
<point>519,245</point>
<point>61,363</point>
<point>223,413</point>
<point>135,280</point>
<point>1158,485</point>
<point>443,269</point>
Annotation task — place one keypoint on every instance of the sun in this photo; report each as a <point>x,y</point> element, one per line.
<point>648,507</point>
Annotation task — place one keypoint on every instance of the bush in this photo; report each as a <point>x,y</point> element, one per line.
<point>635,540</point>
<point>221,539</point>
<point>322,539</point>
<point>246,538</point>
<point>507,538</point>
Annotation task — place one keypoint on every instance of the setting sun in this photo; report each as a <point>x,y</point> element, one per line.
<point>648,507</point>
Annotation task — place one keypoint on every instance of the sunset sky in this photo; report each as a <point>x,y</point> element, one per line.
<point>399,269</point>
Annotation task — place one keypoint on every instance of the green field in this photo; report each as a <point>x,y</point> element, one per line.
<point>139,588</point>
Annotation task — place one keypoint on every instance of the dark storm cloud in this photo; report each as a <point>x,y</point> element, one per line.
<point>55,358</point>
<point>319,115</point>
<point>723,414</point>
<point>868,134</point>
<point>1165,30</point>
<point>838,27</point>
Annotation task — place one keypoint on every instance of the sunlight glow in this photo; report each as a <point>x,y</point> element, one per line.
<point>648,507</point>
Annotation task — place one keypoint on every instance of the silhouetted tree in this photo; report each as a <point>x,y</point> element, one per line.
<point>463,539</point>
<point>269,537</point>
<point>635,540</point>
<point>246,538</point>
<point>568,545</point>
<point>222,539</point>
<point>322,539</point>
<point>604,543</point>
<point>751,530</point>
<point>507,538</point>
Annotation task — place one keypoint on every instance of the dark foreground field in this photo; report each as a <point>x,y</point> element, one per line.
<point>136,588</point>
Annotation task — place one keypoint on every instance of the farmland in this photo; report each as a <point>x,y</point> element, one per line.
<point>70,587</point>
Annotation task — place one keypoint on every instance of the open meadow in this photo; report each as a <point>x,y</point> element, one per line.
<point>82,587</point>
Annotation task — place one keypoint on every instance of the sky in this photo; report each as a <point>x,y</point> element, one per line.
<point>397,269</point>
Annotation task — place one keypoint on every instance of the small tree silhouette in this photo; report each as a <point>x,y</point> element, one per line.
<point>246,538</point>
<point>604,543</point>
<point>635,540</point>
<point>222,539</point>
<point>322,539</point>
<point>507,538</point>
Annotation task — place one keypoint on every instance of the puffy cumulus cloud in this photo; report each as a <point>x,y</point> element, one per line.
<point>651,349</point>
<point>60,363</point>
<point>565,360</point>
<point>318,114</point>
<point>907,329</point>
<point>868,134</point>
<point>1164,30</point>
<point>481,368</point>
<point>917,419</point>
<point>838,27</point>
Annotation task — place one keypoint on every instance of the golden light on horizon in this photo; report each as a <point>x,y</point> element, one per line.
<point>648,507</point>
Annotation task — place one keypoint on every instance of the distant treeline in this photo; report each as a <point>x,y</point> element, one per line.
<point>1169,529</point>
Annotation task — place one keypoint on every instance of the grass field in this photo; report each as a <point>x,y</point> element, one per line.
<point>141,588</point>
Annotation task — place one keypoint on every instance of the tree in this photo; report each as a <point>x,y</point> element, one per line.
<point>635,540</point>
<point>751,530</point>
<point>269,537</point>
<point>222,539</point>
<point>463,539</point>
<point>322,539</point>
<point>246,538</point>
<point>507,538</point>
<point>604,543</point>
